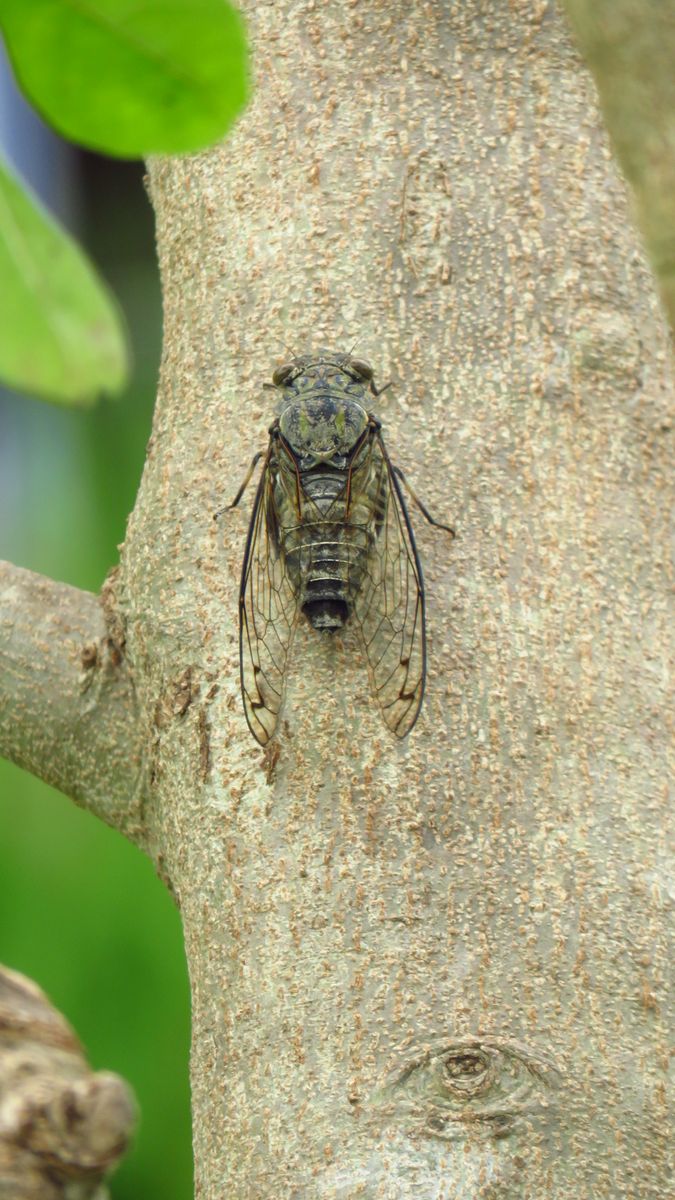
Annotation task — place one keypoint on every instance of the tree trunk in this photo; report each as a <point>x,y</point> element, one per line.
<point>433,968</point>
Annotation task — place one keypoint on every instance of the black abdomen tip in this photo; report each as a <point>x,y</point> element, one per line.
<point>326,615</point>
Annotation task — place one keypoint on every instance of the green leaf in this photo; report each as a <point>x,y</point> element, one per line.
<point>61,335</point>
<point>130,77</point>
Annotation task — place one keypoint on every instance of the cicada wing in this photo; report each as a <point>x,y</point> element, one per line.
<point>268,615</point>
<point>389,608</point>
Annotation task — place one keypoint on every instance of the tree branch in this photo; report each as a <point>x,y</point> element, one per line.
<point>67,705</point>
<point>62,1127</point>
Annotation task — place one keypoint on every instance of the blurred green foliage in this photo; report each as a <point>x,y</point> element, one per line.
<point>81,911</point>
<point>125,79</point>
<point>133,78</point>
<point>61,333</point>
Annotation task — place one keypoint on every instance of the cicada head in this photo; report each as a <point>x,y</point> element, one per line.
<point>326,369</point>
<point>322,407</point>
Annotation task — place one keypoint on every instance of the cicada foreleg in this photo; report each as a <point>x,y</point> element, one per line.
<point>378,391</point>
<point>247,479</point>
<point>425,512</point>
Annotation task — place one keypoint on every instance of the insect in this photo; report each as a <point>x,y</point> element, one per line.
<point>330,539</point>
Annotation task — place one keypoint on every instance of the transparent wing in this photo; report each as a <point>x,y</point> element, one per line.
<point>389,608</point>
<point>268,615</point>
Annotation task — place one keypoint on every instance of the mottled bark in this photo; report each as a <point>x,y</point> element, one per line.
<point>62,1127</point>
<point>433,968</point>
<point>67,705</point>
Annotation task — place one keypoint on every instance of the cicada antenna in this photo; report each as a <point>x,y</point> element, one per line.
<point>286,347</point>
<point>289,353</point>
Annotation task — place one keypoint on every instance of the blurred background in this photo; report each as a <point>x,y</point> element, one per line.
<point>81,910</point>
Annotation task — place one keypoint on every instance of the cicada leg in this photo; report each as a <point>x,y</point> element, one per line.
<point>254,462</point>
<point>425,512</point>
<point>378,391</point>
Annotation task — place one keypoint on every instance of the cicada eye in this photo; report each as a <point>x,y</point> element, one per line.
<point>363,369</point>
<point>281,374</point>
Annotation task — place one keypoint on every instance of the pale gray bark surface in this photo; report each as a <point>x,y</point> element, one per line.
<point>67,705</point>
<point>435,968</point>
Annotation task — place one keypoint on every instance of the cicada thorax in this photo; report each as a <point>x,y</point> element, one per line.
<point>330,492</point>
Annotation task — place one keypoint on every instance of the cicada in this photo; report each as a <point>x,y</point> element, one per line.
<point>330,540</point>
